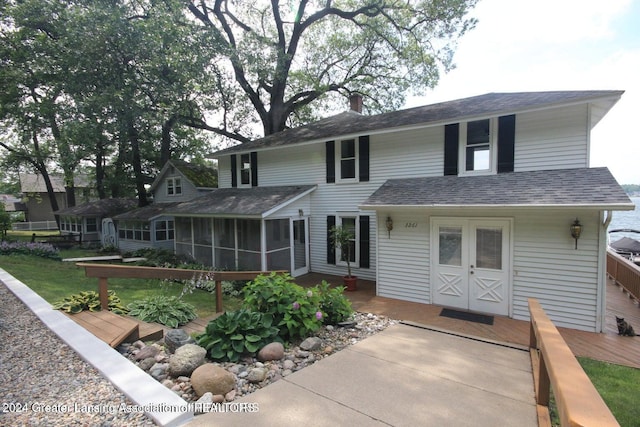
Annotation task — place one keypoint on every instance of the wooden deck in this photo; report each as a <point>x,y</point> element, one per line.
<point>115,329</point>
<point>606,346</point>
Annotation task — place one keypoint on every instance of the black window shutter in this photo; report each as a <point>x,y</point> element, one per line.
<point>363,153</point>
<point>451,141</point>
<point>365,252</point>
<point>506,142</point>
<point>331,249</point>
<point>254,168</point>
<point>234,171</point>
<point>331,161</point>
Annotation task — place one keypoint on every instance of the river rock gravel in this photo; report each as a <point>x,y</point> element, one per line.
<point>43,382</point>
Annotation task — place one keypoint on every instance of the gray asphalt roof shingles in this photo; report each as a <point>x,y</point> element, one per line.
<point>253,201</point>
<point>563,187</point>
<point>451,111</point>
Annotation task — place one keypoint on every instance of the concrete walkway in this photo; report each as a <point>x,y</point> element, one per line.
<point>403,376</point>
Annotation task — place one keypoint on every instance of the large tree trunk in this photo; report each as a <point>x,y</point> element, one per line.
<point>137,165</point>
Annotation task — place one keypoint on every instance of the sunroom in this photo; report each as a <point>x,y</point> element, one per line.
<point>259,228</point>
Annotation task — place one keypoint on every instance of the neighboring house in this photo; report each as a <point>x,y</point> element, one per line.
<point>149,226</point>
<point>86,220</point>
<point>12,203</point>
<point>465,204</point>
<point>36,199</point>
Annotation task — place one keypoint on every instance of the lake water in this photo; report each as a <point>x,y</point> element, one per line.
<point>626,219</point>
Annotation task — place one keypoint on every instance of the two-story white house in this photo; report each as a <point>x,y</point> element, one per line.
<point>466,204</point>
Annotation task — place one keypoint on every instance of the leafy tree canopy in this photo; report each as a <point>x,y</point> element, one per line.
<point>287,62</point>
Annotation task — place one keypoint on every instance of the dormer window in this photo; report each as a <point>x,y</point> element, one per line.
<point>174,186</point>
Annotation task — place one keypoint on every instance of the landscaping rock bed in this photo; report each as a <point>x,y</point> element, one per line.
<point>251,373</point>
<point>43,382</point>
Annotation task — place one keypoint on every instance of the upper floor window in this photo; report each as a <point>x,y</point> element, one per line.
<point>174,186</point>
<point>244,170</point>
<point>477,146</point>
<point>347,159</point>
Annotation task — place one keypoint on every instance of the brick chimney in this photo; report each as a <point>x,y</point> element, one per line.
<point>355,102</point>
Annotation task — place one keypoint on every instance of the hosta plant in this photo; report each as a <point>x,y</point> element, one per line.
<point>89,300</point>
<point>237,333</point>
<point>170,311</point>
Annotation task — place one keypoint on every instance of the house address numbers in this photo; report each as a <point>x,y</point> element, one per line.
<point>411,225</point>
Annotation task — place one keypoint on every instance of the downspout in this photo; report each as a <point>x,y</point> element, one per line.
<point>602,267</point>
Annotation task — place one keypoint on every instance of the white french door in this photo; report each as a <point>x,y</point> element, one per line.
<point>471,264</point>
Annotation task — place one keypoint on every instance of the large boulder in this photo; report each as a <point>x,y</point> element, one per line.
<point>272,351</point>
<point>186,359</point>
<point>212,378</point>
<point>175,338</point>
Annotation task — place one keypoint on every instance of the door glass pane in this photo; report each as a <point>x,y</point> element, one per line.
<point>489,248</point>
<point>450,246</point>
<point>299,245</point>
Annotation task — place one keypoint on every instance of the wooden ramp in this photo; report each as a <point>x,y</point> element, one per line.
<point>115,329</point>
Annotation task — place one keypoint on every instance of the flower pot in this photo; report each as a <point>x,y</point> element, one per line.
<point>350,283</point>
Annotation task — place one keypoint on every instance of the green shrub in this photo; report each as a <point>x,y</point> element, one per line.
<point>169,310</point>
<point>89,300</point>
<point>295,310</point>
<point>237,333</point>
<point>334,305</point>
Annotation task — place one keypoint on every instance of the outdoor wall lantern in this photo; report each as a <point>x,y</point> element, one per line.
<point>576,229</point>
<point>389,224</point>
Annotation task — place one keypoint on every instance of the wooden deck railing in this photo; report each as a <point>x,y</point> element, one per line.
<point>555,367</point>
<point>106,271</point>
<point>625,273</point>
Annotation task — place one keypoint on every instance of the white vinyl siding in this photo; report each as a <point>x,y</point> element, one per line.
<point>548,267</point>
<point>407,154</point>
<point>552,139</point>
<point>403,267</point>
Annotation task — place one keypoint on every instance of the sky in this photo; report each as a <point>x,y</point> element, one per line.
<point>527,45</point>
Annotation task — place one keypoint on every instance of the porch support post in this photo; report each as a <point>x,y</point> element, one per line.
<point>103,293</point>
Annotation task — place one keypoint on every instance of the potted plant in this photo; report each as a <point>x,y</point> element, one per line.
<point>342,238</point>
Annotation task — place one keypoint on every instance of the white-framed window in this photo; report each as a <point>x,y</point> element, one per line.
<point>174,186</point>
<point>92,225</point>
<point>134,230</point>
<point>164,230</point>
<point>245,170</point>
<point>347,160</point>
<point>71,224</point>
<point>349,222</point>
<point>478,142</point>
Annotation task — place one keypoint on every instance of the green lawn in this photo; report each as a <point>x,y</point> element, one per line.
<point>619,387</point>
<point>54,280</point>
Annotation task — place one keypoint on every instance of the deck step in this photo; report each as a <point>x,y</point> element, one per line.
<point>109,327</point>
<point>148,331</point>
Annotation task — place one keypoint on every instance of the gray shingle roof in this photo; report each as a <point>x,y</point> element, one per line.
<point>586,187</point>
<point>103,208</point>
<point>254,201</point>
<point>491,104</point>
<point>146,213</point>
